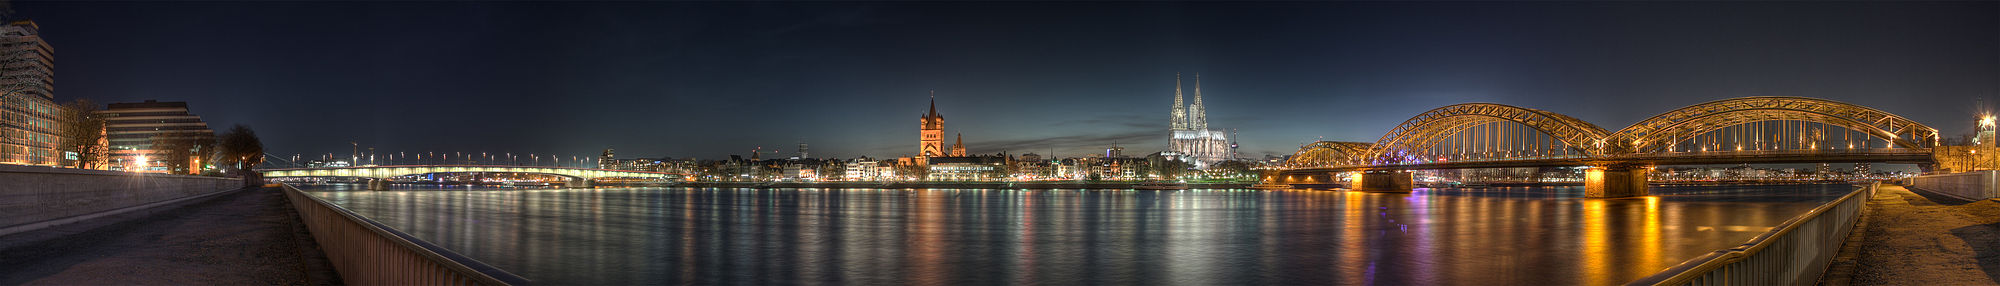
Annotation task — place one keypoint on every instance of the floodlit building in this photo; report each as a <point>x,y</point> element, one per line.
<point>1189,134</point>
<point>133,129</point>
<point>608,160</point>
<point>970,168</point>
<point>867,169</point>
<point>30,119</point>
<point>931,143</point>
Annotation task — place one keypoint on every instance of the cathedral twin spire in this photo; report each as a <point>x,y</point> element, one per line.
<point>1180,109</point>
<point>1189,117</point>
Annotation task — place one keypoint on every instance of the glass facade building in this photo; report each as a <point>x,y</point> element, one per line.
<point>30,120</point>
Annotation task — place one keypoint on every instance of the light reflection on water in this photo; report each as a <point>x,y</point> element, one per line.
<point>1193,237</point>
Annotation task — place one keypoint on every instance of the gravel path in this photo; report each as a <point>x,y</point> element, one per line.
<point>241,238</point>
<point>1913,238</point>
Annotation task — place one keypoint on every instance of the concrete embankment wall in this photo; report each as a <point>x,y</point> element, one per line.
<point>1977,185</point>
<point>34,197</point>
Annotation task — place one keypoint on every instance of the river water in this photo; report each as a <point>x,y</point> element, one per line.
<point>1491,236</point>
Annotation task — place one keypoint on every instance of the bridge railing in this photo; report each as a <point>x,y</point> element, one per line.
<point>368,253</point>
<point>1794,253</point>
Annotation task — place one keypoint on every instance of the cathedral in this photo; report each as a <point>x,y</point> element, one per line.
<point>1189,134</point>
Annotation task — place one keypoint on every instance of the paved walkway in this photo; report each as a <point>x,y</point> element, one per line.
<point>241,238</point>
<point>1918,238</point>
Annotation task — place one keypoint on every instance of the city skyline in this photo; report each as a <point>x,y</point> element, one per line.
<point>1307,143</point>
<point>845,77</point>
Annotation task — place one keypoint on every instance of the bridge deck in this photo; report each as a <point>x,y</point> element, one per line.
<point>1904,156</point>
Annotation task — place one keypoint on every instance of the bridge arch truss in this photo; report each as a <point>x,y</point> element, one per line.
<point>1428,128</point>
<point>1433,131</point>
<point>1661,132</point>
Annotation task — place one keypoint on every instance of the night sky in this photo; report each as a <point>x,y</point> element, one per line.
<point>707,80</point>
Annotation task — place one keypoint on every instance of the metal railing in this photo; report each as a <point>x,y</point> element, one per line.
<point>1794,253</point>
<point>1972,186</point>
<point>368,253</point>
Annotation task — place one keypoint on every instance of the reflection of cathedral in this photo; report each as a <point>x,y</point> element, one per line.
<point>1190,134</point>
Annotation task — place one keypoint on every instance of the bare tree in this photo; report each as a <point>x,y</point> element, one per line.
<point>239,149</point>
<point>83,133</point>
<point>178,153</point>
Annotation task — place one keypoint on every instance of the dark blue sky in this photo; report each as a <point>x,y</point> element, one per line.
<point>707,80</point>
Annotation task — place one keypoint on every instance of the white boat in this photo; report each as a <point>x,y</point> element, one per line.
<point>1160,186</point>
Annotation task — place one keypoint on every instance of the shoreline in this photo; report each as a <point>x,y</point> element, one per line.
<point>949,185</point>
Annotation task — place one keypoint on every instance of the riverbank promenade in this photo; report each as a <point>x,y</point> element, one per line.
<point>244,237</point>
<point>1922,238</point>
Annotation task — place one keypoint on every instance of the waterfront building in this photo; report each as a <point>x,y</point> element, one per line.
<point>608,160</point>
<point>136,130</point>
<point>1066,169</point>
<point>799,171</point>
<point>967,168</point>
<point>30,119</point>
<point>1189,135</point>
<point>862,169</point>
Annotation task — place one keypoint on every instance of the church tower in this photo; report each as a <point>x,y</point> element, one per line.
<point>932,132</point>
<point>1180,108</point>
<point>958,149</point>
<point>1198,116</point>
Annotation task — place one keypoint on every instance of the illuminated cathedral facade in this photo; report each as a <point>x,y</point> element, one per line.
<point>1189,135</point>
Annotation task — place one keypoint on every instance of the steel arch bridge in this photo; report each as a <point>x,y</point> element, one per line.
<point>1654,134</point>
<point>1329,153</point>
<point>1739,130</point>
<point>1428,128</point>
<point>1653,138</point>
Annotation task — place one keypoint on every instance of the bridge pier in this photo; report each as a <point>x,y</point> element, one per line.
<point>1382,181</point>
<point>577,183</point>
<point>1615,181</point>
<point>378,184</point>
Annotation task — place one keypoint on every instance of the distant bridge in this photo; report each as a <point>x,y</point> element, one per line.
<point>579,177</point>
<point>1730,131</point>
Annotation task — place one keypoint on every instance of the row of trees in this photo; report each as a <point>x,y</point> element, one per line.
<point>234,152</point>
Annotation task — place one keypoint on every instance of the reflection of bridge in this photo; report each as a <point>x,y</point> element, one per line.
<point>1731,131</point>
<point>579,177</point>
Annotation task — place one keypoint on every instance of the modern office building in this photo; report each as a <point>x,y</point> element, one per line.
<point>30,119</point>
<point>133,130</point>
